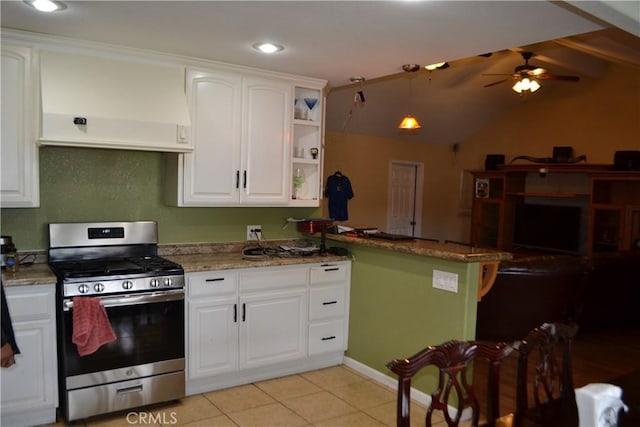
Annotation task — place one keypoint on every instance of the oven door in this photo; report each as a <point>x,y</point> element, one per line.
<point>149,328</point>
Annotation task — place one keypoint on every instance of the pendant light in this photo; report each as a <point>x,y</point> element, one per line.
<point>409,122</point>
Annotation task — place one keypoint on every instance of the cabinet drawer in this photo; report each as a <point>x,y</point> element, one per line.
<point>326,336</point>
<point>326,301</point>
<point>212,283</point>
<point>328,273</point>
<point>275,278</point>
<point>26,303</point>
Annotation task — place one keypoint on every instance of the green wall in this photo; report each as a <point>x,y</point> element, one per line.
<point>85,185</point>
<point>395,312</point>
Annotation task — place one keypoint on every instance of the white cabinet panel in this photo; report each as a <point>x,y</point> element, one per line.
<point>212,283</point>
<point>326,301</point>
<point>212,171</point>
<point>326,336</point>
<point>329,273</point>
<point>241,131</point>
<point>273,278</point>
<point>266,141</point>
<point>30,386</point>
<point>273,327</point>
<point>213,337</point>
<point>19,184</point>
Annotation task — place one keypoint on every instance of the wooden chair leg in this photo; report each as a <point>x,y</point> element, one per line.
<point>404,402</point>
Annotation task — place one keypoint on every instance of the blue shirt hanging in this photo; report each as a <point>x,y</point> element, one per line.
<point>339,191</point>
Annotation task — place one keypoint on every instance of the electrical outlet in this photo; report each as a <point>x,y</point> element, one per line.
<point>445,281</point>
<point>254,232</point>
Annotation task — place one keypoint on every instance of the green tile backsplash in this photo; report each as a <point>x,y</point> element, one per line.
<point>85,185</point>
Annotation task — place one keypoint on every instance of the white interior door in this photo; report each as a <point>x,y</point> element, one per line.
<point>405,198</point>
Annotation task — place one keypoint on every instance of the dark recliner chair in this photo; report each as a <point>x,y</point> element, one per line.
<point>531,291</point>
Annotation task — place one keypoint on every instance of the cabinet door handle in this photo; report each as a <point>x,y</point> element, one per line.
<point>244,312</point>
<point>217,279</point>
<point>237,179</point>
<point>329,302</point>
<point>244,179</point>
<point>332,269</point>
<point>235,313</point>
<point>328,338</point>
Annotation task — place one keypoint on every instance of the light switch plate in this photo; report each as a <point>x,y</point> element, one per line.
<point>445,281</point>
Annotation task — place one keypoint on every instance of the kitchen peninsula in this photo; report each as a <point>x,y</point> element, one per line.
<point>396,309</point>
<point>392,308</point>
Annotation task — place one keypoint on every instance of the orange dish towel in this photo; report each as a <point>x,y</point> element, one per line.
<point>91,327</point>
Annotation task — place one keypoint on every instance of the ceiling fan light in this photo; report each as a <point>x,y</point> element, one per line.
<point>517,87</point>
<point>526,85</point>
<point>534,86</point>
<point>409,122</point>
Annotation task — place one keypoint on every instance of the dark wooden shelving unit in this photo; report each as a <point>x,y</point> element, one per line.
<point>609,199</point>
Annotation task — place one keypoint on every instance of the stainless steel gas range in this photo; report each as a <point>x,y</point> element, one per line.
<point>143,298</point>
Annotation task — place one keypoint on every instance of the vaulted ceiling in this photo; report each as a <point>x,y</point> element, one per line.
<point>337,40</point>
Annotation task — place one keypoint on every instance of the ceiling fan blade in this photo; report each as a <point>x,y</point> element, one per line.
<point>548,76</point>
<point>496,83</point>
<point>498,74</point>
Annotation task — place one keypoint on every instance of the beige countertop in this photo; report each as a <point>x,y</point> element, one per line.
<point>448,251</point>
<point>192,257</point>
<point>224,256</point>
<point>35,274</point>
<point>224,261</point>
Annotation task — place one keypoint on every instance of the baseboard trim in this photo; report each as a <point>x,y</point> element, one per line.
<point>417,395</point>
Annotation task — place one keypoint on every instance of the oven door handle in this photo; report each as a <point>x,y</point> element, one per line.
<point>172,295</point>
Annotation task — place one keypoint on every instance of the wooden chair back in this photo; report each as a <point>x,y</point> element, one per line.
<point>454,390</point>
<point>546,354</point>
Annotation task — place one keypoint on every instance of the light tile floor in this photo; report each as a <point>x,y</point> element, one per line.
<point>330,397</point>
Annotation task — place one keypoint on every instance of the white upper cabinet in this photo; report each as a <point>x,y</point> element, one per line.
<point>241,132</point>
<point>109,102</point>
<point>211,173</point>
<point>19,184</point>
<point>266,141</point>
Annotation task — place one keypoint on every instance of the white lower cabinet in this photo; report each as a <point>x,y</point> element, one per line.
<point>272,328</point>
<point>329,307</point>
<point>30,386</point>
<point>212,326</point>
<point>252,324</point>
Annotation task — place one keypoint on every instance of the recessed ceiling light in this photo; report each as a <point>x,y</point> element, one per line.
<point>268,47</point>
<point>46,5</point>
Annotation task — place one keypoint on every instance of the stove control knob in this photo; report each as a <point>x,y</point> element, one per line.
<point>168,282</point>
<point>154,283</point>
<point>83,289</point>
<point>127,284</point>
<point>98,287</point>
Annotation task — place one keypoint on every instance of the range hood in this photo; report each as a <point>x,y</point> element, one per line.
<point>102,102</point>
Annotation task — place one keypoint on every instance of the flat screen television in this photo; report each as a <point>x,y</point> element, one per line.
<point>547,227</point>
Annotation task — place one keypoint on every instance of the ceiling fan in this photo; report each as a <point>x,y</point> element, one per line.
<point>528,71</point>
